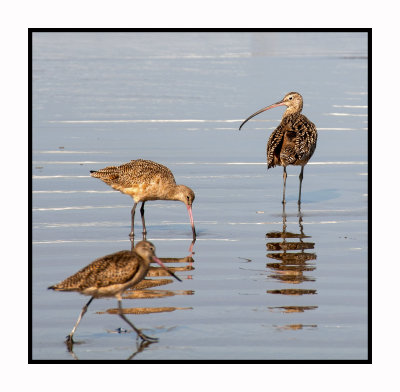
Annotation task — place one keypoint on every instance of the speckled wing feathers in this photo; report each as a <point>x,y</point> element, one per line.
<point>274,146</point>
<point>293,142</point>
<point>117,268</point>
<point>306,140</point>
<point>135,172</point>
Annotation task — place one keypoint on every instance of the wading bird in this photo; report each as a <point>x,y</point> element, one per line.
<point>294,140</point>
<point>110,276</point>
<point>146,180</point>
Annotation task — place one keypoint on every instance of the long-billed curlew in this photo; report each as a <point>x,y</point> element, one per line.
<point>146,180</point>
<point>294,140</point>
<point>110,276</point>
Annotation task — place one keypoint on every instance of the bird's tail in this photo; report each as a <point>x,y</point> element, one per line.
<point>61,287</point>
<point>107,174</point>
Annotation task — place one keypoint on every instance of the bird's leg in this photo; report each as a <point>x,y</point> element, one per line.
<point>284,184</point>
<point>69,340</point>
<point>301,221</point>
<point>132,234</point>
<point>143,223</point>
<point>138,331</point>
<point>284,217</point>
<point>301,180</point>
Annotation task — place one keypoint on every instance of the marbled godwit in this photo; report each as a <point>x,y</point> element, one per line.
<point>146,180</point>
<point>294,140</point>
<point>110,276</point>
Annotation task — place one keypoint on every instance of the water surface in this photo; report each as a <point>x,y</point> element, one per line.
<point>262,283</point>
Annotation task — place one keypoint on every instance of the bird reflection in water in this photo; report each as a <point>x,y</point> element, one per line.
<point>157,277</point>
<point>292,265</point>
<point>140,347</point>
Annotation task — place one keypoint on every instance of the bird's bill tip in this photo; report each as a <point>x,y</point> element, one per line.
<point>189,208</point>
<point>280,103</point>
<point>161,264</point>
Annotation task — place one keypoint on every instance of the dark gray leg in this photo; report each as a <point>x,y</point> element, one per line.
<point>301,180</point>
<point>284,218</point>
<point>284,184</point>
<point>84,309</point>
<point>132,234</point>
<point>138,331</point>
<point>143,223</point>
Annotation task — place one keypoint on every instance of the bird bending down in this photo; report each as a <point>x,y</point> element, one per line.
<point>110,276</point>
<point>294,140</point>
<point>146,180</point>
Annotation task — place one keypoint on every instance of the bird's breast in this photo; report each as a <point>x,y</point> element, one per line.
<point>151,190</point>
<point>108,291</point>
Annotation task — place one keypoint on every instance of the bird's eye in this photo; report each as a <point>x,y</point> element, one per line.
<point>290,97</point>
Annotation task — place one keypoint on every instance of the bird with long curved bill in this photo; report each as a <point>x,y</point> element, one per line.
<point>294,140</point>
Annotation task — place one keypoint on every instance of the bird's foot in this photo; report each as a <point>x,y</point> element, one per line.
<point>69,339</point>
<point>146,338</point>
<point>69,342</point>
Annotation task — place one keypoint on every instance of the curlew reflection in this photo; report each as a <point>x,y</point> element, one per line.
<point>292,265</point>
<point>295,327</point>
<point>292,309</point>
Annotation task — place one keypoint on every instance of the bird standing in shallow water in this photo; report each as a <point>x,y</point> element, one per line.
<point>110,276</point>
<point>294,140</point>
<point>146,180</point>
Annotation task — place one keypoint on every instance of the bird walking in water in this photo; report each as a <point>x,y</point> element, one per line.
<point>146,180</point>
<point>110,276</point>
<point>294,140</point>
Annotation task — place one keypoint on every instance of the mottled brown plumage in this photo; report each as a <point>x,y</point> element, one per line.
<point>294,140</point>
<point>107,275</point>
<point>145,180</point>
<point>110,276</point>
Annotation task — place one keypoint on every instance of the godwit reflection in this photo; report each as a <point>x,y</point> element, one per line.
<point>292,265</point>
<point>156,278</point>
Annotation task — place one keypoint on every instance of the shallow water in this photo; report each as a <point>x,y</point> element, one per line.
<point>250,291</point>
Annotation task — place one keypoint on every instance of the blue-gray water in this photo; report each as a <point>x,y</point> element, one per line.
<point>103,99</point>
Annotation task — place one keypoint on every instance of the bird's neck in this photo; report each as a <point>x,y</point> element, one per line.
<point>174,193</point>
<point>292,110</point>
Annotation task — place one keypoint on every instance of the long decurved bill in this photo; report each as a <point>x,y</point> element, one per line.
<point>189,208</point>
<point>161,264</point>
<point>280,103</point>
